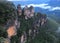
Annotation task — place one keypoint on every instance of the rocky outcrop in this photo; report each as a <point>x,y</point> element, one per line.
<point>24,24</point>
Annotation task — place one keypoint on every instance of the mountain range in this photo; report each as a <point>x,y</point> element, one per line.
<point>49,7</point>
<point>55,14</point>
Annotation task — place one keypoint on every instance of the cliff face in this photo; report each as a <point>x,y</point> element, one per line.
<point>30,28</point>
<point>17,29</point>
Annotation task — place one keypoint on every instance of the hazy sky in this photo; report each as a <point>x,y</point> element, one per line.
<point>44,4</point>
<point>20,0</point>
<point>30,1</point>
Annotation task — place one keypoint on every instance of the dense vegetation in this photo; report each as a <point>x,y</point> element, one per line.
<point>46,32</point>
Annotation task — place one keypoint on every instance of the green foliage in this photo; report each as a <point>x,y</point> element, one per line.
<point>7,10</point>
<point>3,32</point>
<point>47,32</point>
<point>2,40</point>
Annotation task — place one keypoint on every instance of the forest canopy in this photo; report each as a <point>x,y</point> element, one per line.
<point>25,26</point>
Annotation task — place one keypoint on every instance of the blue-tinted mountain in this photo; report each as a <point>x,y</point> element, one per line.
<point>53,14</point>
